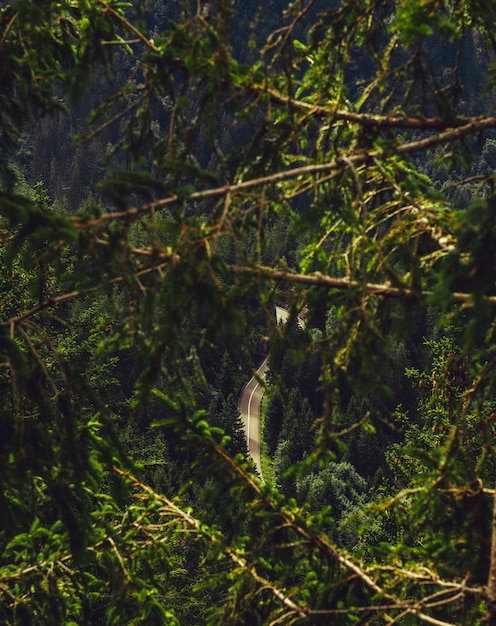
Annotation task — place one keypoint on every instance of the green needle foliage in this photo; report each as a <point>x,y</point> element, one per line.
<point>330,157</point>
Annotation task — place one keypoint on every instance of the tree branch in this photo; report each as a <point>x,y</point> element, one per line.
<point>328,282</point>
<point>341,163</point>
<point>376,121</point>
<point>51,302</point>
<point>147,42</point>
<point>215,538</point>
<point>491,578</point>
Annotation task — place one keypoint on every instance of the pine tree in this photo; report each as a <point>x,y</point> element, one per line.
<point>340,116</point>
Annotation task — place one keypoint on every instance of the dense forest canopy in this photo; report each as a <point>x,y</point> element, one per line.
<point>170,173</point>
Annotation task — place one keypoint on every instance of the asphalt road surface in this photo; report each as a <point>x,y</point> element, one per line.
<point>250,402</point>
<point>249,406</point>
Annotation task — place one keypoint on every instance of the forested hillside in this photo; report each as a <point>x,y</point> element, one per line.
<point>170,172</point>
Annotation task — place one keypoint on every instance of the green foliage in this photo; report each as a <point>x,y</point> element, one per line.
<point>440,465</point>
<point>307,170</point>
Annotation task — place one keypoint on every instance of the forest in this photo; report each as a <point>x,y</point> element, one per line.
<point>170,173</point>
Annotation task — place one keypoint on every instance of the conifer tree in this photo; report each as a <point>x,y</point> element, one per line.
<point>343,117</point>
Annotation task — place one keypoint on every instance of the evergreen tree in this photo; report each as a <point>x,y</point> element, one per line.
<point>340,115</point>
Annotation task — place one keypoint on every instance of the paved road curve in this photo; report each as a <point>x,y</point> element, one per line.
<point>250,402</point>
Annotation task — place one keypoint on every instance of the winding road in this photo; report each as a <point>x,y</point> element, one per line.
<point>250,402</point>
